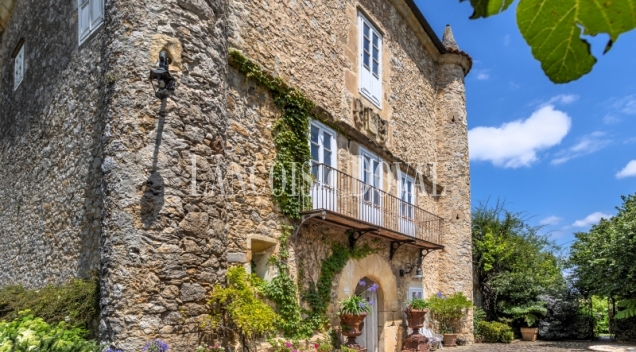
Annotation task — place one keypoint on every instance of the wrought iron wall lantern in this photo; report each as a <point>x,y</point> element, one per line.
<point>408,268</point>
<point>161,76</point>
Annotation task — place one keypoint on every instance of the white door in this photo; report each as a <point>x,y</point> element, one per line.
<point>323,160</point>
<point>407,208</point>
<point>369,337</point>
<point>371,200</point>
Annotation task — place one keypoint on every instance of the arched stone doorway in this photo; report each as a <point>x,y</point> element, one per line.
<point>370,337</point>
<point>376,269</point>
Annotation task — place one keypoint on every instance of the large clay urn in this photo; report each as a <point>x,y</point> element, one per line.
<point>415,342</point>
<point>529,334</point>
<point>352,325</point>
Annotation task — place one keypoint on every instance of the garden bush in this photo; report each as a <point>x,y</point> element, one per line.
<point>564,319</point>
<point>28,333</point>
<point>76,303</point>
<point>492,331</point>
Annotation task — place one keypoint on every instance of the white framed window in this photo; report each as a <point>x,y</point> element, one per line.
<point>90,15</point>
<point>406,193</point>
<point>322,142</point>
<point>371,187</point>
<point>18,68</point>
<point>370,61</point>
<point>415,292</point>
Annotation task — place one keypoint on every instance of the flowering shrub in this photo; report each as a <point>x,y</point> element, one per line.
<point>356,304</point>
<point>111,349</point>
<point>449,310</point>
<point>155,346</point>
<point>27,333</point>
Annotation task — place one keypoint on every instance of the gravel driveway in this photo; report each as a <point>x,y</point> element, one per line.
<point>547,346</point>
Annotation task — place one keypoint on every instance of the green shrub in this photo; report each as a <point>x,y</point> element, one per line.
<point>495,332</point>
<point>76,303</point>
<point>27,333</point>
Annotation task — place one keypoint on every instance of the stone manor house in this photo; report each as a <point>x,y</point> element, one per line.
<point>100,177</point>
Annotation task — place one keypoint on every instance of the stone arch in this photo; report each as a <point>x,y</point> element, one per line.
<point>377,269</point>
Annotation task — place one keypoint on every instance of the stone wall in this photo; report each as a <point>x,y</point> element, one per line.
<point>50,147</point>
<point>163,243</point>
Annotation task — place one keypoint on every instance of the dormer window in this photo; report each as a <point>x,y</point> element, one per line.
<point>90,17</point>
<point>370,61</point>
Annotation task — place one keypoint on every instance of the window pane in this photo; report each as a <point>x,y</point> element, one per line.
<point>366,29</point>
<point>376,68</point>
<point>327,158</point>
<point>375,40</point>
<point>315,132</point>
<point>315,152</point>
<point>366,61</point>
<point>326,142</point>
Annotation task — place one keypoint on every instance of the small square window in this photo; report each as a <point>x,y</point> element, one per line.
<point>18,68</point>
<point>90,15</point>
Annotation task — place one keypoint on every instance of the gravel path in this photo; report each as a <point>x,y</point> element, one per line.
<point>547,346</point>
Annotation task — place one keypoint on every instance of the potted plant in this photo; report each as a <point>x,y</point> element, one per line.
<point>353,310</point>
<point>530,314</point>
<point>448,312</point>
<point>415,311</point>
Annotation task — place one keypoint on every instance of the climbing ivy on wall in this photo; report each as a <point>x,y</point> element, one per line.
<point>290,135</point>
<point>293,155</point>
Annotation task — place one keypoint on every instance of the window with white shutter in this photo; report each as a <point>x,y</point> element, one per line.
<point>370,61</point>
<point>90,15</point>
<point>18,68</point>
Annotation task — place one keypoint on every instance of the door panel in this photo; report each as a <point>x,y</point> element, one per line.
<point>371,200</point>
<point>323,190</point>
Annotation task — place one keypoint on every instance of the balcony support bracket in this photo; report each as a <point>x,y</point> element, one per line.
<point>306,217</point>
<point>395,245</point>
<point>355,235</point>
<point>426,252</point>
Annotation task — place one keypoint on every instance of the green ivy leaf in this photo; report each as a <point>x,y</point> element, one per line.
<point>553,31</point>
<point>485,8</point>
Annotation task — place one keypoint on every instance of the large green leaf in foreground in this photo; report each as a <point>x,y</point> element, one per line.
<point>553,29</point>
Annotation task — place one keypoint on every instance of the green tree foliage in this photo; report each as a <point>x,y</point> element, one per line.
<point>514,262</point>
<point>603,259</point>
<point>495,332</point>
<point>553,30</point>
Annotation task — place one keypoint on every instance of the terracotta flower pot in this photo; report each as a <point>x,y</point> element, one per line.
<point>529,334</point>
<point>449,340</point>
<point>352,325</point>
<point>415,319</point>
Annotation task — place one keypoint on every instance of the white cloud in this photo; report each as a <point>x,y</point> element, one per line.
<point>516,144</point>
<point>587,144</point>
<point>564,99</point>
<point>550,220</point>
<point>591,219</point>
<point>628,171</point>
<point>625,105</point>
<point>483,76</point>
<point>514,86</point>
<point>507,40</point>
<point>610,119</point>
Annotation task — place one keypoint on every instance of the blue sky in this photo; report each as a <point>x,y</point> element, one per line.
<point>558,152</point>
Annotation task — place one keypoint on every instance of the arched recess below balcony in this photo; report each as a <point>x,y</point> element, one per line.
<point>375,269</point>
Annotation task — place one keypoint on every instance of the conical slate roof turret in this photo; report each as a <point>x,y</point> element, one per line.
<point>448,40</point>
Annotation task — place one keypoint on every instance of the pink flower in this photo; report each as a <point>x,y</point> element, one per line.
<point>316,346</point>
<point>288,345</point>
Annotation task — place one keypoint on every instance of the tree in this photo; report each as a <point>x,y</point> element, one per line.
<point>553,30</point>
<point>514,263</point>
<point>602,260</point>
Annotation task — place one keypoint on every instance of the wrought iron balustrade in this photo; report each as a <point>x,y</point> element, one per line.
<point>348,199</point>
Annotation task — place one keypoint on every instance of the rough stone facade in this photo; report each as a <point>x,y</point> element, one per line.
<point>100,177</point>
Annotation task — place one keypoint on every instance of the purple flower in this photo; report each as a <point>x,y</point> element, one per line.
<point>111,349</point>
<point>371,303</point>
<point>155,346</point>
<point>439,294</point>
<point>373,288</point>
<point>288,345</point>
<point>362,283</point>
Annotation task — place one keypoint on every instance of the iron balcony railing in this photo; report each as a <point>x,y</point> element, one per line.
<point>342,194</point>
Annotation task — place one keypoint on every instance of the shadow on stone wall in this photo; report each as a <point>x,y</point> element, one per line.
<point>152,199</point>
